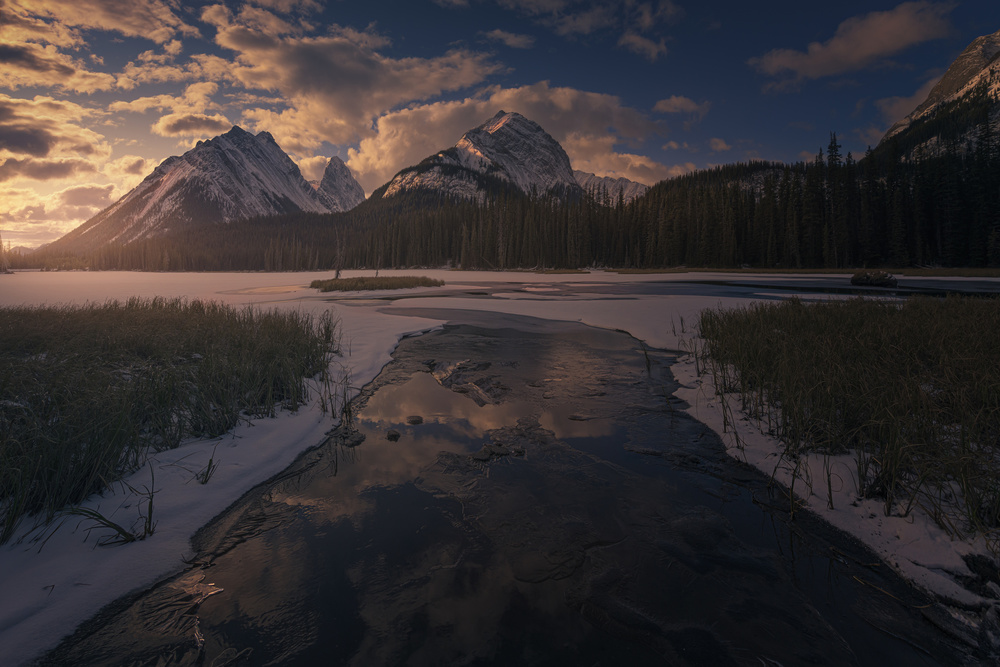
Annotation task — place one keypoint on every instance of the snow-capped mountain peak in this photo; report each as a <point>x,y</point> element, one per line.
<point>233,176</point>
<point>507,149</point>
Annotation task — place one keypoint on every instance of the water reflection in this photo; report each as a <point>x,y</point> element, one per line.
<point>548,509</point>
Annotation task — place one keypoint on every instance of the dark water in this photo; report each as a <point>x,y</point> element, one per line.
<point>545,503</point>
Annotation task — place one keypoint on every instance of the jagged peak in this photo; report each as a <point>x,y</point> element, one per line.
<point>236,131</point>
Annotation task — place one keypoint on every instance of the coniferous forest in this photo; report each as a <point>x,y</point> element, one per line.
<point>929,196</point>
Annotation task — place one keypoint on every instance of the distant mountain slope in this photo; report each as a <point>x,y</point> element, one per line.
<point>629,189</point>
<point>233,176</point>
<point>506,151</point>
<point>976,70</point>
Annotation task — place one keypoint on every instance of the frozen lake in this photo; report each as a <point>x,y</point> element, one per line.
<point>51,591</point>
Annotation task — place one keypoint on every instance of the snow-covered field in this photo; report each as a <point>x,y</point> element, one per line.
<point>49,586</point>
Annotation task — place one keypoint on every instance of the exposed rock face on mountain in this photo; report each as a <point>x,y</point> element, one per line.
<point>233,176</point>
<point>978,65</point>
<point>338,189</point>
<point>628,189</point>
<point>506,151</point>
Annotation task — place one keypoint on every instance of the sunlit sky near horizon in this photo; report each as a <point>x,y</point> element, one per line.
<point>95,93</point>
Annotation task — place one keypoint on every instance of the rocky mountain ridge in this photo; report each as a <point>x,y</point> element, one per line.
<point>978,65</point>
<point>233,176</point>
<point>507,150</point>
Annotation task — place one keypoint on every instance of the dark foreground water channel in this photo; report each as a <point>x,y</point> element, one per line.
<point>526,494</point>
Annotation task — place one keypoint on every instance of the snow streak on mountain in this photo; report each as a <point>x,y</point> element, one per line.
<point>233,176</point>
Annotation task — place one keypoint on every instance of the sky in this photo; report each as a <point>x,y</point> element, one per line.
<point>94,94</point>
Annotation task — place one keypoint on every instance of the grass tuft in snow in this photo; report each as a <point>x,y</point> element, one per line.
<point>913,389</point>
<point>374,283</point>
<point>86,392</point>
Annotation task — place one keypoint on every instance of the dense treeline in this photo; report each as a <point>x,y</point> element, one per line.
<point>922,198</point>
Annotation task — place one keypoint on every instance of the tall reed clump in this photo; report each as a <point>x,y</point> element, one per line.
<point>913,389</point>
<point>87,391</point>
<point>374,283</point>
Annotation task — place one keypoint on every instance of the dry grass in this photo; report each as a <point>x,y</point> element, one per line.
<point>912,389</point>
<point>86,392</point>
<point>374,283</point>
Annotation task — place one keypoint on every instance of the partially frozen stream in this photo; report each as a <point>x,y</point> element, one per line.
<point>519,491</point>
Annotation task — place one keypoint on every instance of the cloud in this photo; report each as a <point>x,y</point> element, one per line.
<point>675,146</point>
<point>196,98</point>
<point>680,104</point>
<point>588,125</point>
<point>583,22</point>
<point>287,6</point>
<point>870,136</point>
<point>335,84</point>
<point>44,169</point>
<point>34,65</point>
<point>718,145</point>
<point>171,50</point>
<point>312,168</point>
<point>32,218</point>
<point>859,42</point>
<point>94,196</point>
<point>191,125</point>
<point>535,7</point>
<point>510,39</point>
<point>17,27</point>
<point>150,19</point>
<point>632,19</point>
<point>897,108</point>
<point>45,127</point>
<point>645,47</point>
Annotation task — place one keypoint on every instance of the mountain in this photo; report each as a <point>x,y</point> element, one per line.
<point>338,189</point>
<point>233,176</point>
<point>592,183</point>
<point>506,151</point>
<point>975,71</point>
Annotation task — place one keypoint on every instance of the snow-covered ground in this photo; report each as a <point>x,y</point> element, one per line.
<point>50,586</point>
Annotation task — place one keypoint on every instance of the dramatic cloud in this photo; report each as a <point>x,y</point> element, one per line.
<point>335,84</point>
<point>588,125</point>
<point>149,19</point>
<point>718,145</point>
<point>17,27</point>
<point>191,125</point>
<point>860,42</point>
<point>33,65</point>
<point>46,127</point>
<point>510,39</point>
<point>897,108</point>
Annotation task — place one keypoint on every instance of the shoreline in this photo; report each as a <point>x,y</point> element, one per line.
<point>913,545</point>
